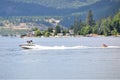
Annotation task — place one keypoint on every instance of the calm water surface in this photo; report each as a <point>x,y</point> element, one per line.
<point>88,63</point>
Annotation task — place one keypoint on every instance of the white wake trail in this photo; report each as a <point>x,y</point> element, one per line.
<point>39,47</point>
<point>57,47</point>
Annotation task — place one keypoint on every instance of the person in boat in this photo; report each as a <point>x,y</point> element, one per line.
<point>104,45</point>
<point>30,42</point>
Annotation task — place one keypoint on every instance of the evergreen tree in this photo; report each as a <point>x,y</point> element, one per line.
<point>89,19</point>
<point>50,29</point>
<point>57,29</point>
<point>95,29</point>
<point>114,32</point>
<point>47,34</point>
<point>116,21</point>
<point>104,27</point>
<point>34,29</point>
<point>86,30</point>
<point>38,33</point>
<point>77,25</point>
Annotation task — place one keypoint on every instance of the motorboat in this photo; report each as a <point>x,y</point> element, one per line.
<point>27,46</point>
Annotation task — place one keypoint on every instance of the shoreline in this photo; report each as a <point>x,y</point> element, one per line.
<point>77,36</point>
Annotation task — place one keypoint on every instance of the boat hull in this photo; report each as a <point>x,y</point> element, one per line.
<point>27,46</point>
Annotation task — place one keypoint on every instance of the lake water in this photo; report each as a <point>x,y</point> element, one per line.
<point>81,63</point>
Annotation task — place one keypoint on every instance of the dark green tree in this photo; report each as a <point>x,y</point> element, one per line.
<point>116,22</point>
<point>104,27</point>
<point>57,29</point>
<point>38,33</point>
<point>86,30</point>
<point>50,29</point>
<point>89,19</point>
<point>34,29</point>
<point>95,29</point>
<point>114,32</point>
<point>77,25</point>
<point>47,34</point>
<point>65,31</point>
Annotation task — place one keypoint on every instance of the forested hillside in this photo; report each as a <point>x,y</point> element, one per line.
<point>66,10</point>
<point>60,4</point>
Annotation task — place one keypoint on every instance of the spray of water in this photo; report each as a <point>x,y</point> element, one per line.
<point>39,47</point>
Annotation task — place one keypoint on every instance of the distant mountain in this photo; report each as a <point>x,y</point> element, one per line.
<point>67,9</point>
<point>59,4</point>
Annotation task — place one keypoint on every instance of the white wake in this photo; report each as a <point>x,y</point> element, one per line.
<point>39,47</point>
